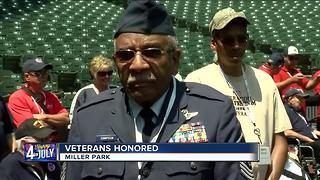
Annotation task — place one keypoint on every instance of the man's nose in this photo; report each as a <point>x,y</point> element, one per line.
<point>138,63</point>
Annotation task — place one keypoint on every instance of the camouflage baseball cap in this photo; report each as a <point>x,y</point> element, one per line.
<point>223,17</point>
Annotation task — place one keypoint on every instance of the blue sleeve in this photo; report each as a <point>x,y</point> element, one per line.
<point>229,130</point>
<point>5,117</point>
<point>74,169</point>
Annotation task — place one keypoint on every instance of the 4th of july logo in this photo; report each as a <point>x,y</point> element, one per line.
<point>40,152</point>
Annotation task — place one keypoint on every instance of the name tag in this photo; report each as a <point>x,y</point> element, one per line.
<point>106,138</point>
<point>265,158</point>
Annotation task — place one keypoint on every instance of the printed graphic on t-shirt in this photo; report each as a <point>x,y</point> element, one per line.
<point>241,106</point>
<point>240,90</point>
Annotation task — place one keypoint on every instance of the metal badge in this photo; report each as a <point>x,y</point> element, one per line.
<point>188,115</point>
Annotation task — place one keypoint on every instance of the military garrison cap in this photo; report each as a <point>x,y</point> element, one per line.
<point>145,16</point>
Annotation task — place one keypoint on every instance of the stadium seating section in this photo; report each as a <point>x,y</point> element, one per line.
<point>67,33</point>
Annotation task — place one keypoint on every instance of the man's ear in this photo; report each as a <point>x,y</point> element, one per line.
<point>26,76</point>
<point>213,44</point>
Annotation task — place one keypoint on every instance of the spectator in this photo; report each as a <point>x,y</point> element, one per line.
<point>316,98</point>
<point>316,90</point>
<point>32,101</point>
<point>294,98</point>
<point>147,57</point>
<point>7,140</point>
<point>14,165</point>
<point>256,98</point>
<point>273,64</point>
<point>101,74</point>
<point>290,76</point>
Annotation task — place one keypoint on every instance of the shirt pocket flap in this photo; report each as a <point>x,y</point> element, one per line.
<point>102,169</point>
<point>188,168</point>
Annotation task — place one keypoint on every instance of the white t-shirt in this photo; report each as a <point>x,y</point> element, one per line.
<point>263,99</point>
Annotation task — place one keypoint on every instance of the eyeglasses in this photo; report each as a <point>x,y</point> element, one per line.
<point>150,54</point>
<point>231,40</point>
<point>104,73</point>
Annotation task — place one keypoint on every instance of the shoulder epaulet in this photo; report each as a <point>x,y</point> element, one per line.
<point>107,95</point>
<point>202,90</point>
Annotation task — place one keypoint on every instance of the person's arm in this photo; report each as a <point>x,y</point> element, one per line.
<point>278,156</point>
<point>59,120</point>
<point>74,169</point>
<point>58,117</point>
<point>229,131</point>
<point>291,133</point>
<point>313,83</point>
<point>75,103</point>
<point>294,79</point>
<point>19,109</point>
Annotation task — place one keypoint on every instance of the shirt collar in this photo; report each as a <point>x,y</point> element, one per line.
<point>156,107</point>
<point>284,68</point>
<point>96,90</point>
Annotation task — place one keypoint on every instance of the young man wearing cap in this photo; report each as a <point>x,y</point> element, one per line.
<point>152,106</point>
<point>14,165</point>
<point>32,101</point>
<point>290,76</point>
<point>273,64</point>
<point>294,99</point>
<point>256,98</point>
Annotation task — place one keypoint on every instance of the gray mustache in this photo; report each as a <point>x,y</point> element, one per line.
<point>141,77</point>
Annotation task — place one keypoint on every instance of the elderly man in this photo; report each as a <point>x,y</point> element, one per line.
<point>14,165</point>
<point>294,98</point>
<point>256,98</point>
<point>32,101</point>
<point>152,105</point>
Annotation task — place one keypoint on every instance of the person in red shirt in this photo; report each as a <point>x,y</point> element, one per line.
<point>32,101</point>
<point>290,76</point>
<point>273,64</point>
<point>316,89</point>
<point>316,92</point>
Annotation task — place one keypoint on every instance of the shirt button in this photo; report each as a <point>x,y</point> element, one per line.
<point>193,166</point>
<point>145,172</point>
<point>99,171</point>
<point>187,90</point>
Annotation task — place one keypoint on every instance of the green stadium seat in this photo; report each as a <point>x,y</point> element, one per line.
<point>64,26</point>
<point>12,63</point>
<point>67,82</point>
<point>8,86</point>
<point>67,99</point>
